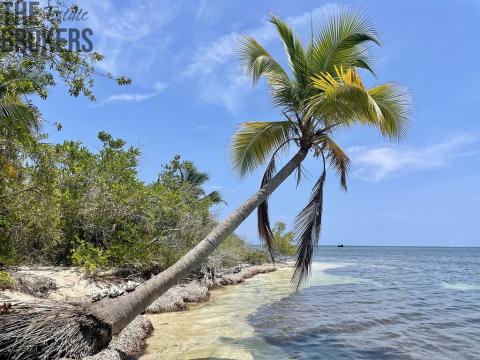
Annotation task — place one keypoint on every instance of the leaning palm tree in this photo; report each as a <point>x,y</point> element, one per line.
<point>320,92</point>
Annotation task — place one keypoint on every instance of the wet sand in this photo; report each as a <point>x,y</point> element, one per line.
<point>220,328</point>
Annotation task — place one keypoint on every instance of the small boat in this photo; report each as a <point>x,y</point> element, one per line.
<point>341,245</point>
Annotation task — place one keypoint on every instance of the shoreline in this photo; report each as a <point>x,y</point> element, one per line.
<point>67,284</point>
<point>132,341</point>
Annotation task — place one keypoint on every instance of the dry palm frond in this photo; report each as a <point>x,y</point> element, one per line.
<point>264,229</point>
<point>51,331</point>
<point>307,230</point>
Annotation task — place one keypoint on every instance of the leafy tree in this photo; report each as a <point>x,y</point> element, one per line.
<point>129,223</point>
<point>68,205</point>
<point>29,209</point>
<point>283,240</point>
<point>18,122</point>
<point>38,64</point>
<point>30,67</point>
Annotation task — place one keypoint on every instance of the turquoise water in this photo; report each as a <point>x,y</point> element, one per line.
<point>360,303</point>
<point>381,303</point>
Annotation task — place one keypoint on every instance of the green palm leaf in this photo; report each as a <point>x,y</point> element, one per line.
<point>293,49</point>
<point>343,39</point>
<point>257,62</point>
<point>394,102</point>
<point>253,142</point>
<point>338,159</point>
<point>344,99</point>
<point>16,114</point>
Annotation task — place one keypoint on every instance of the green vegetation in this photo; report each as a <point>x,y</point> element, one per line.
<point>53,59</point>
<point>63,204</point>
<point>283,241</point>
<point>234,250</point>
<point>67,205</point>
<point>6,282</point>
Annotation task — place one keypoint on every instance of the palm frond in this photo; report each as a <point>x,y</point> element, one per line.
<point>284,93</point>
<point>257,62</point>
<point>343,98</point>
<point>195,177</point>
<point>253,142</point>
<point>342,40</point>
<point>394,102</point>
<point>307,232</point>
<point>293,49</point>
<point>300,174</point>
<point>338,159</point>
<point>17,114</point>
<point>215,197</point>
<point>263,218</point>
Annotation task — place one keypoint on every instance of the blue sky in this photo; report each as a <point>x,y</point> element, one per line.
<point>188,95</point>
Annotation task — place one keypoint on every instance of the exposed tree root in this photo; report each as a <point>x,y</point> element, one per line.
<point>51,331</point>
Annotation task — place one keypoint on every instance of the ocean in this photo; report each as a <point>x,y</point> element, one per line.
<point>360,303</point>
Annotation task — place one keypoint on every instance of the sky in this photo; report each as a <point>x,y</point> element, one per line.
<point>188,96</point>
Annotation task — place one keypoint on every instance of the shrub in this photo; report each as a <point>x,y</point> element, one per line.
<point>73,206</point>
<point>6,282</point>
<point>255,256</point>
<point>282,244</point>
<point>88,257</point>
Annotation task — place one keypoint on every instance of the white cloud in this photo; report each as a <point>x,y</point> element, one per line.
<point>207,58</point>
<point>226,92</point>
<point>216,66</point>
<point>158,88</point>
<point>378,163</point>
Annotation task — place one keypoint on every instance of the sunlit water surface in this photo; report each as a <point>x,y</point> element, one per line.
<point>360,303</point>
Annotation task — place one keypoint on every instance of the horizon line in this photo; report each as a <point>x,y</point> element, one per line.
<point>394,246</point>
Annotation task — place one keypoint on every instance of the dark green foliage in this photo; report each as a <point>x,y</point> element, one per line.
<point>68,205</point>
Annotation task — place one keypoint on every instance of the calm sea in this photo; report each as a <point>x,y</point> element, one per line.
<point>381,303</point>
<point>360,303</point>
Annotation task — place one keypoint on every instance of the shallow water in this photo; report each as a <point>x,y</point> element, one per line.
<point>360,303</point>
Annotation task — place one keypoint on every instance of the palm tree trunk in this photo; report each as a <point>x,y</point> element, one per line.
<point>119,312</point>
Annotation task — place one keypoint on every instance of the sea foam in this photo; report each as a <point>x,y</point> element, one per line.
<point>460,286</point>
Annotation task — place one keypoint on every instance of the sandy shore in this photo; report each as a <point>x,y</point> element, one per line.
<point>68,284</point>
